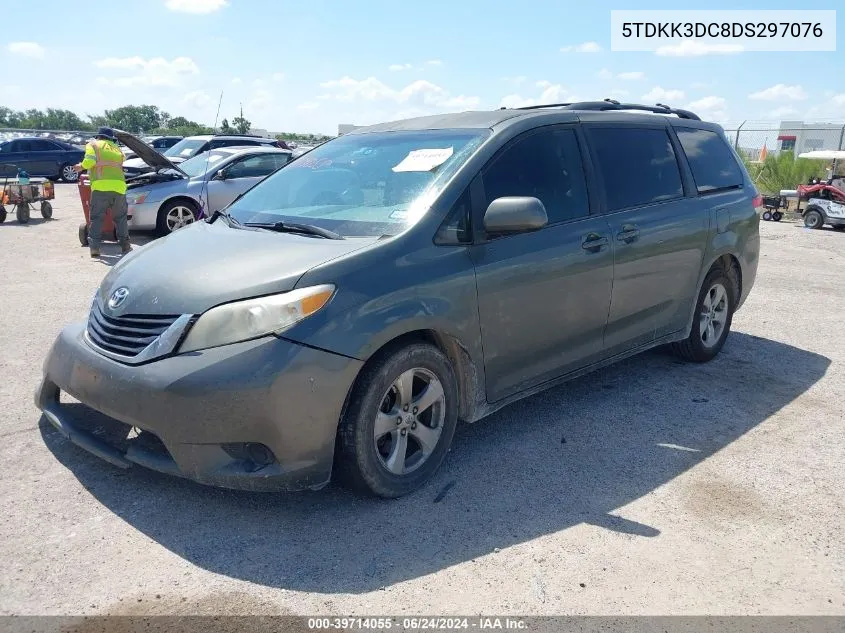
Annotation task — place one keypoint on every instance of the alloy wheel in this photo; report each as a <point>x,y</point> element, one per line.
<point>178,217</point>
<point>714,314</point>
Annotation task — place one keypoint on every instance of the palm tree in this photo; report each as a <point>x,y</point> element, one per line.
<point>783,171</point>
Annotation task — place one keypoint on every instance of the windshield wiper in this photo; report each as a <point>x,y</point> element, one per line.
<point>295,227</point>
<point>230,220</point>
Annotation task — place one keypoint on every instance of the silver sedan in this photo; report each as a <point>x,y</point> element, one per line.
<point>169,198</point>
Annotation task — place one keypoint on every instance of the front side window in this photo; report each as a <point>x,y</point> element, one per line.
<point>546,165</point>
<point>202,163</point>
<point>185,148</point>
<point>710,158</point>
<point>638,166</point>
<point>252,167</point>
<point>362,184</point>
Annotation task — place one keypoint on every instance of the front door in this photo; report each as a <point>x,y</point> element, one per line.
<point>240,175</point>
<point>543,296</point>
<point>659,236</point>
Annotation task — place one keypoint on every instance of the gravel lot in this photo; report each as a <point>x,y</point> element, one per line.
<point>651,487</point>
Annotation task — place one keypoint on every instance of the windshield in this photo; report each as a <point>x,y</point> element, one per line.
<point>201,163</point>
<point>362,184</point>
<point>186,147</point>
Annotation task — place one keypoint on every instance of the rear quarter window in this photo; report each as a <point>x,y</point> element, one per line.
<point>638,166</point>
<point>711,160</point>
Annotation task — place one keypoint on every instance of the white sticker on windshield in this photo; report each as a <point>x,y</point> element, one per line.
<point>424,159</point>
<point>186,152</point>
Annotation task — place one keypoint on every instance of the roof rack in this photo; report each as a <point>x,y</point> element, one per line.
<point>611,104</point>
<point>237,134</point>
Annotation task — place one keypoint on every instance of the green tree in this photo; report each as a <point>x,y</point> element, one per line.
<point>241,124</point>
<point>131,118</point>
<point>225,128</point>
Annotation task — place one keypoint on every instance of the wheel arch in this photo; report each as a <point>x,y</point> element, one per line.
<point>467,375</point>
<point>728,262</point>
<point>178,197</point>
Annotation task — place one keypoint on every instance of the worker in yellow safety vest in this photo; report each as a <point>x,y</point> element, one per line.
<point>104,162</point>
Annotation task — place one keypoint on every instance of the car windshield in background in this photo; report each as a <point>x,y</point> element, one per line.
<point>185,147</point>
<point>361,184</point>
<point>201,163</point>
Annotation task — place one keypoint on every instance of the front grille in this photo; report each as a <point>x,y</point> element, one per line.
<point>126,335</point>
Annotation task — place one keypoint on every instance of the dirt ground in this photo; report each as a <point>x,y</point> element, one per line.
<point>651,487</point>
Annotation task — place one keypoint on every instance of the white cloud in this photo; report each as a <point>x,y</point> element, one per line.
<point>26,49</point>
<point>156,71</point>
<point>779,92</point>
<point>697,48</point>
<point>434,62</point>
<point>839,99</point>
<point>261,99</point>
<point>711,108</point>
<point>259,83</point>
<point>197,100</point>
<point>586,47</point>
<point>397,67</point>
<point>631,76</point>
<point>195,6</point>
<point>309,105</point>
<point>278,76</point>
<point>551,93</point>
<point>782,112</point>
<point>604,73</point>
<point>515,81</point>
<point>658,94</point>
<point>420,93</point>
<point>236,81</point>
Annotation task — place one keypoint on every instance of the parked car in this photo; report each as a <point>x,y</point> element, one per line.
<point>192,145</point>
<point>350,308</point>
<point>158,143</point>
<point>42,157</point>
<point>171,197</point>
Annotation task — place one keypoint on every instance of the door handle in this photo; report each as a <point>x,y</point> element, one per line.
<point>628,233</point>
<point>593,242</point>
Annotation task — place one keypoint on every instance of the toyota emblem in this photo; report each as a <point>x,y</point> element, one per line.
<point>118,297</point>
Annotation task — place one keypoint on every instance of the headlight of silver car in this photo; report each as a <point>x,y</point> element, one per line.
<point>244,320</point>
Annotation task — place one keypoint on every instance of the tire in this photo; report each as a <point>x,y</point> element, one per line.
<point>813,219</point>
<point>696,347</point>
<point>767,215</point>
<point>172,215</point>
<point>777,216</point>
<point>83,234</point>
<point>22,213</point>
<point>3,214</point>
<point>67,174</point>
<point>368,462</point>
<point>46,210</point>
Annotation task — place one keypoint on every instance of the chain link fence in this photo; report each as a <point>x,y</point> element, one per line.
<point>755,141</point>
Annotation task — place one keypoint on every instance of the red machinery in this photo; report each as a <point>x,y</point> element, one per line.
<point>109,230</point>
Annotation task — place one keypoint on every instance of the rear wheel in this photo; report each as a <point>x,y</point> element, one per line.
<point>813,219</point>
<point>713,315</point>
<point>83,234</point>
<point>46,210</point>
<point>777,216</point>
<point>400,421</point>
<point>2,214</point>
<point>68,174</point>
<point>767,215</point>
<point>176,215</point>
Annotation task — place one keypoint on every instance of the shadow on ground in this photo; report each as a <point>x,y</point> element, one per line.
<point>571,455</point>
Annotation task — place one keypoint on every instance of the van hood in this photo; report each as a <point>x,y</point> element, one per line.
<point>206,264</point>
<point>144,152</point>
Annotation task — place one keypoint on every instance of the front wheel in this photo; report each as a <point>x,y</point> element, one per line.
<point>713,316</point>
<point>400,421</point>
<point>777,216</point>
<point>2,214</point>
<point>83,234</point>
<point>767,215</point>
<point>46,210</point>
<point>22,213</point>
<point>68,174</point>
<point>813,219</point>
<point>176,215</point>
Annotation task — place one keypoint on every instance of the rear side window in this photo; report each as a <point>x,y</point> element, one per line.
<point>638,165</point>
<point>547,165</point>
<point>711,160</point>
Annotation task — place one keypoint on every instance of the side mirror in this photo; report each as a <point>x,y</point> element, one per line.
<point>223,174</point>
<point>515,214</point>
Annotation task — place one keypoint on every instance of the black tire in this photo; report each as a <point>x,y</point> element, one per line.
<point>83,234</point>
<point>66,173</point>
<point>693,348</point>
<point>358,462</point>
<point>162,224</point>
<point>777,216</point>
<point>22,213</point>
<point>3,214</point>
<point>767,215</point>
<point>46,210</point>
<point>813,219</point>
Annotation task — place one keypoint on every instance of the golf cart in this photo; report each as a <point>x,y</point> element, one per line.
<point>825,200</point>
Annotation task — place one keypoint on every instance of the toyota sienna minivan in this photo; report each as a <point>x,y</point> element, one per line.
<point>345,313</point>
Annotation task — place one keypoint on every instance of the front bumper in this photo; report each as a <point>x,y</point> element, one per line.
<point>144,216</point>
<point>268,391</point>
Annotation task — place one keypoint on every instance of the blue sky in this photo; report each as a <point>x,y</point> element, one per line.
<point>307,66</point>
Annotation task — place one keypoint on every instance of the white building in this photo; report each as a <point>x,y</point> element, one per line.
<point>806,137</point>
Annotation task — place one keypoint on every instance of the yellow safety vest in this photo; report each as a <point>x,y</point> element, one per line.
<point>104,162</point>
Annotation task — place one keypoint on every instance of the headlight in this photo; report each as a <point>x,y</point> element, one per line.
<point>244,320</point>
<point>136,198</point>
